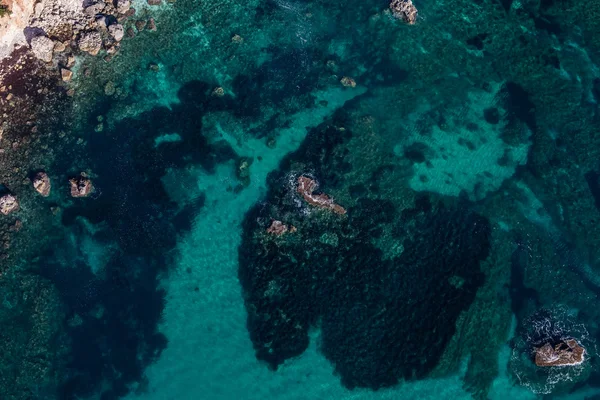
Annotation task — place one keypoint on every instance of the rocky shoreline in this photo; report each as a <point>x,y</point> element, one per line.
<point>44,47</point>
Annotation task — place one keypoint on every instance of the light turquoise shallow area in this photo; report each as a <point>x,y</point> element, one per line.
<point>210,355</point>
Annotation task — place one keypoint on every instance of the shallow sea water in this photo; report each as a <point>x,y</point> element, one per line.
<point>466,159</point>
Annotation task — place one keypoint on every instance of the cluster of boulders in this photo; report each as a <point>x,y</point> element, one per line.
<point>565,353</point>
<point>89,27</point>
<point>307,186</point>
<point>404,10</point>
<point>81,186</point>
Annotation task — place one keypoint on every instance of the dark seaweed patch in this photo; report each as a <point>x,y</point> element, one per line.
<point>381,319</point>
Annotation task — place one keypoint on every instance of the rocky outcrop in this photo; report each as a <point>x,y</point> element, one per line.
<point>123,6</point>
<point>43,48</point>
<point>41,183</point>
<point>90,42</point>
<point>278,228</point>
<point>404,10</point>
<point>565,353</point>
<point>8,204</point>
<point>81,186</point>
<point>307,186</point>
<point>348,82</point>
<point>116,31</point>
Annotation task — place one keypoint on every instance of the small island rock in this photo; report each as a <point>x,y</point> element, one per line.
<point>41,183</point>
<point>81,186</point>
<point>565,353</point>
<point>8,204</point>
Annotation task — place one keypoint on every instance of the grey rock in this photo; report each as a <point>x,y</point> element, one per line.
<point>43,48</point>
<point>116,31</point>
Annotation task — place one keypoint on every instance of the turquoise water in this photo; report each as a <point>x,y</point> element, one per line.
<point>458,162</point>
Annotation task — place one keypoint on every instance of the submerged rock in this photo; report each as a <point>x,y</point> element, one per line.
<point>243,170</point>
<point>307,186</point>
<point>565,353</point>
<point>43,48</point>
<point>41,183</point>
<point>404,10</point>
<point>8,204</point>
<point>81,186</point>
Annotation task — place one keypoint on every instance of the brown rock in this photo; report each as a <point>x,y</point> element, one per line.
<point>59,47</point>
<point>278,228</point>
<point>8,204</point>
<point>41,183</point>
<point>567,352</point>
<point>66,74</point>
<point>404,10</point>
<point>140,25</point>
<point>154,2</point>
<point>81,186</point>
<point>151,24</point>
<point>307,186</point>
<point>90,42</point>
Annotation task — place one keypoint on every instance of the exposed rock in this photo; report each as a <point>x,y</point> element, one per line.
<point>123,6</point>
<point>8,204</point>
<point>116,31</point>
<point>94,8</point>
<point>237,39</point>
<point>59,47</point>
<point>404,10</point>
<point>66,74</point>
<point>41,183</point>
<point>154,67</point>
<point>278,228</point>
<point>348,82</point>
<point>154,2</point>
<point>218,92</point>
<point>70,61</point>
<point>81,186</point>
<point>307,186</point>
<point>101,22</point>
<point>567,352</point>
<point>90,42</point>
<point>43,48</point>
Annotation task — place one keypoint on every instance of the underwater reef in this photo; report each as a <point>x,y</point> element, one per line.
<point>450,205</point>
<point>381,319</point>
